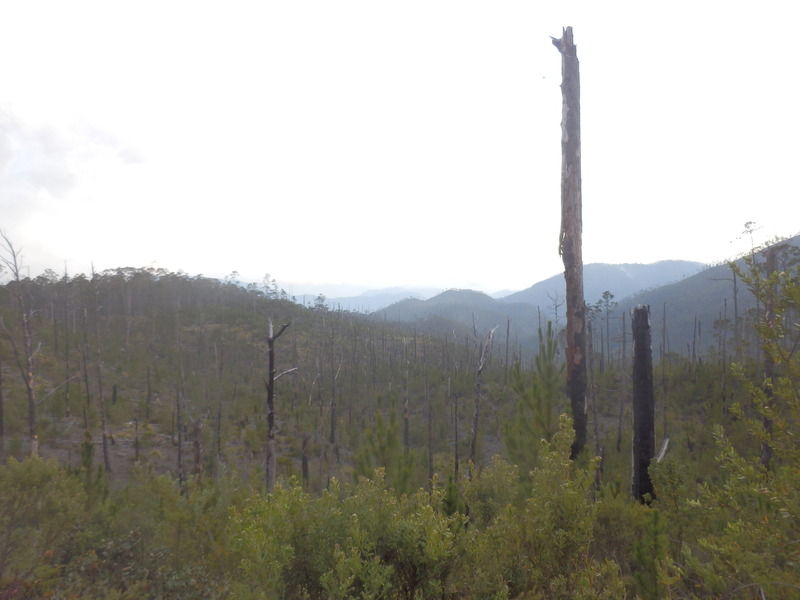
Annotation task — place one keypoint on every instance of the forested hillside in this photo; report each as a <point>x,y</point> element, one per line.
<point>405,465</point>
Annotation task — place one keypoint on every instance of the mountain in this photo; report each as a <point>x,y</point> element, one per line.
<point>622,280</point>
<point>700,310</point>
<point>459,312</point>
<point>373,300</point>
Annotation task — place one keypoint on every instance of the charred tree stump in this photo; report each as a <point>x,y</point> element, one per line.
<point>644,425</point>
<point>570,243</point>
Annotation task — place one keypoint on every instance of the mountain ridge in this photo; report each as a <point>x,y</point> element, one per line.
<point>627,277</point>
<point>694,299</point>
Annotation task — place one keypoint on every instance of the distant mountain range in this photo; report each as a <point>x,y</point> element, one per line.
<point>373,300</point>
<point>622,280</point>
<point>687,295</point>
<point>461,312</point>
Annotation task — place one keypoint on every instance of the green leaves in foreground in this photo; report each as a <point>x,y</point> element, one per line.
<point>40,504</point>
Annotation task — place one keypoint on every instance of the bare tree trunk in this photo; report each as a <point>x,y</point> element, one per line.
<point>218,434</point>
<point>485,352</point>
<point>736,334</point>
<point>644,430</point>
<point>136,436</point>
<point>506,364</point>
<point>179,428</point>
<point>24,359</point>
<point>430,422</point>
<point>67,375</point>
<point>271,459</point>
<point>570,245</point>
<point>406,409</point>
<point>197,470</point>
<point>101,398</point>
<point>623,367</point>
<point>304,461</point>
<point>769,363</point>
<point>85,367</point>
<point>455,431</point>
<point>664,360</point>
<point>149,398</point>
<point>598,450</point>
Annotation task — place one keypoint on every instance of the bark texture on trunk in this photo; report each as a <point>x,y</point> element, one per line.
<point>570,242</point>
<point>644,425</point>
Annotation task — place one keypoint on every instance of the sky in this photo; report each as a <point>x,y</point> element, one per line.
<point>346,145</point>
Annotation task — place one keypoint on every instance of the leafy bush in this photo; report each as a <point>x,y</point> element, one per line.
<point>40,504</point>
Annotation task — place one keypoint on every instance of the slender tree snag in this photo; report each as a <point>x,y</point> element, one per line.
<point>570,247</point>
<point>271,462</point>
<point>455,430</point>
<point>598,449</point>
<point>406,409</point>
<point>304,461</point>
<point>769,363</point>
<point>622,383</point>
<point>67,371</point>
<point>644,426</point>
<point>429,405</point>
<point>197,469</point>
<point>485,352</point>
<point>506,363</point>
<point>101,396</point>
<point>179,427</point>
<point>24,359</point>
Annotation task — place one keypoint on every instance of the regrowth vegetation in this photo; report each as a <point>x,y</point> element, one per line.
<point>364,447</point>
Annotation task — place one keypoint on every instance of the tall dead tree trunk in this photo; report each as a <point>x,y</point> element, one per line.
<point>271,463</point>
<point>455,430</point>
<point>304,462</point>
<point>24,358</point>
<point>484,353</point>
<point>429,404</point>
<point>623,367</point>
<point>598,449</point>
<point>67,368</point>
<point>406,409</point>
<point>179,427</point>
<point>644,426</point>
<point>101,396</point>
<point>570,243</point>
<point>769,363</point>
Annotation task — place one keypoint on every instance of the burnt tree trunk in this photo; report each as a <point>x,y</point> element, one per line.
<point>570,247</point>
<point>644,426</point>
<point>623,366</point>
<point>271,462</point>
<point>101,394</point>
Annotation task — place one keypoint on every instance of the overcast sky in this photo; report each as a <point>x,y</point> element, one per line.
<point>395,143</point>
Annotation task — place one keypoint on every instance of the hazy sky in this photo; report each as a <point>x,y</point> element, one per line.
<point>381,143</point>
